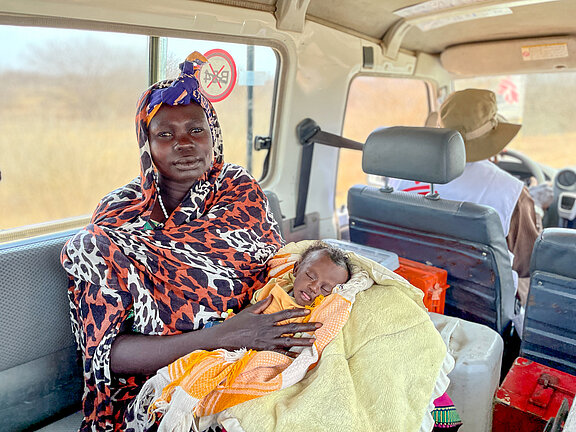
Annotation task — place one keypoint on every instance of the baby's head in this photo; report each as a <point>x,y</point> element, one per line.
<point>320,269</point>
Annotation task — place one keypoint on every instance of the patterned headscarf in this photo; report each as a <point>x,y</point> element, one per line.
<point>183,90</point>
<point>209,256</point>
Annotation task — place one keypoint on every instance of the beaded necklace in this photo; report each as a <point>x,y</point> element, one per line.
<point>161,203</point>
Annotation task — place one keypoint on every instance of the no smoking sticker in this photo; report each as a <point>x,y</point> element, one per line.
<point>218,75</point>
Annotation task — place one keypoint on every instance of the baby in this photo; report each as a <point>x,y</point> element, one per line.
<point>319,270</point>
<point>211,381</point>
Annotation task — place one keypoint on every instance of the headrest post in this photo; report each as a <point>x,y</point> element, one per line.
<point>432,195</point>
<point>386,188</point>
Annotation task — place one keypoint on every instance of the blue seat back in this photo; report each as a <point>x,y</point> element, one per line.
<point>549,335</point>
<point>464,239</point>
<point>40,372</point>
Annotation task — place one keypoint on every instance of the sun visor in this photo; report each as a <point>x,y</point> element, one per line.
<point>511,56</point>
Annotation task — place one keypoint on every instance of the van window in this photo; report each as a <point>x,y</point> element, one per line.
<point>67,117</point>
<point>544,105</point>
<point>67,120</point>
<point>375,102</point>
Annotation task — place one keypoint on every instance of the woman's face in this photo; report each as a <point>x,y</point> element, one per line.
<point>181,143</point>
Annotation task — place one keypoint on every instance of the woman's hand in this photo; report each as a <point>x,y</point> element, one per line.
<point>253,329</point>
<point>135,354</point>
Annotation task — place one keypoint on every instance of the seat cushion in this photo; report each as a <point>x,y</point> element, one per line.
<point>40,373</point>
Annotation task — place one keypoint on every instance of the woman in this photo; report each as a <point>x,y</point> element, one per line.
<point>167,253</point>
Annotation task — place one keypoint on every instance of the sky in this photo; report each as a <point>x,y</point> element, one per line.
<point>14,40</point>
<point>16,44</point>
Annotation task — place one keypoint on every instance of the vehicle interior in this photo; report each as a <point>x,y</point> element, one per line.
<point>331,98</point>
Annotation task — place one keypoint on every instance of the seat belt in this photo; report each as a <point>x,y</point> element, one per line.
<point>308,133</point>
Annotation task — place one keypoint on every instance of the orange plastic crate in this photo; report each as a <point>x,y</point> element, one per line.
<point>431,280</point>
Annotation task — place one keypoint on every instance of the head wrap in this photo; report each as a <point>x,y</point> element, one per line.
<point>183,90</point>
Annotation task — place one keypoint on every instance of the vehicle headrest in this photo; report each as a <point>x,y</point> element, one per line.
<point>430,155</point>
<point>554,252</point>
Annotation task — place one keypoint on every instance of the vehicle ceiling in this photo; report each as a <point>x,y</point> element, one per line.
<point>375,19</point>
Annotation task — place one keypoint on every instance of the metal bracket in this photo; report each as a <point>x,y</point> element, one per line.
<point>306,130</point>
<point>262,142</point>
<point>432,195</point>
<point>291,14</point>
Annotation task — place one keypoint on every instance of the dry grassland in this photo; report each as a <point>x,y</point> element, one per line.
<point>65,145</point>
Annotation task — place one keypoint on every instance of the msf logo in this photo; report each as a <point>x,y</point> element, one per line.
<point>220,77</point>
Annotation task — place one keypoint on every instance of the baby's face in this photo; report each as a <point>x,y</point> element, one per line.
<point>316,275</point>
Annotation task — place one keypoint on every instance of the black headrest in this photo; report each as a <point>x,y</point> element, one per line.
<point>431,155</point>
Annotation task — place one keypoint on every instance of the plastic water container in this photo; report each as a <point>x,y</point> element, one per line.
<point>477,352</point>
<point>386,258</point>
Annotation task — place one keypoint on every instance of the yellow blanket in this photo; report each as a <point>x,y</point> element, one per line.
<point>378,374</point>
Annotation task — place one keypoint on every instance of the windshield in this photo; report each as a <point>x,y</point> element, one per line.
<point>544,105</point>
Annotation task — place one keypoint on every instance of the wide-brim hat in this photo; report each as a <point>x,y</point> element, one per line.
<point>474,113</point>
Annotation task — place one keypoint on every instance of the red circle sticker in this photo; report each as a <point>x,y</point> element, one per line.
<point>218,75</point>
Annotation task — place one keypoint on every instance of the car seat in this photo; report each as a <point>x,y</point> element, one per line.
<point>463,238</point>
<point>549,335</point>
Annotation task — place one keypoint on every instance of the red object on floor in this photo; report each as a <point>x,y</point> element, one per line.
<point>431,280</point>
<point>529,396</point>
